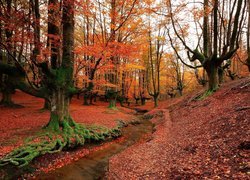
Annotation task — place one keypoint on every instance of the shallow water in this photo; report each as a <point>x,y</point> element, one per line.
<point>94,165</point>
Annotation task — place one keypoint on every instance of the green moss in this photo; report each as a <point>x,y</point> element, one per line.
<point>112,104</point>
<point>199,56</point>
<point>206,94</point>
<point>55,138</point>
<point>62,78</point>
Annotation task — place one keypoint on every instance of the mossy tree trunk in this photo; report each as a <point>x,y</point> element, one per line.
<point>212,72</point>
<point>63,80</point>
<point>112,103</point>
<point>112,97</point>
<point>59,112</point>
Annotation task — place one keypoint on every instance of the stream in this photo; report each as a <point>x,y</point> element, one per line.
<point>95,165</point>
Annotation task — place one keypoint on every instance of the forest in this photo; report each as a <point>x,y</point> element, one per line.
<point>124,89</point>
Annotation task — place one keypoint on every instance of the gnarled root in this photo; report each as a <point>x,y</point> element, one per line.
<point>68,136</point>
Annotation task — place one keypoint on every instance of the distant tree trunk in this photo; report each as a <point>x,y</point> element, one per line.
<point>143,100</point>
<point>112,103</point>
<point>86,98</point>
<point>154,65</point>
<point>155,100</point>
<point>180,90</point>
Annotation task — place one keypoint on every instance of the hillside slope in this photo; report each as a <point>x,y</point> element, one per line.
<point>194,139</point>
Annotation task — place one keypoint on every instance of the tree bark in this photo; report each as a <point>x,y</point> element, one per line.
<point>155,101</point>
<point>59,112</point>
<point>7,97</point>
<point>212,73</point>
<point>221,75</point>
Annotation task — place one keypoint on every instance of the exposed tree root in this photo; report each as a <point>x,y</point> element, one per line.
<point>205,94</point>
<point>10,105</point>
<point>49,141</point>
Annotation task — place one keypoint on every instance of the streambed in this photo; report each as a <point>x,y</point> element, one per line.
<point>95,165</point>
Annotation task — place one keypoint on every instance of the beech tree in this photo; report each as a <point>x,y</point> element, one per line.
<point>57,87</point>
<point>155,53</point>
<point>219,44</point>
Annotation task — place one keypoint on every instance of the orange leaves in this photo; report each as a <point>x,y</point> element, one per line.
<point>107,51</point>
<point>132,67</point>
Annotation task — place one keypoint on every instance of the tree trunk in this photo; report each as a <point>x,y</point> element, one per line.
<point>248,64</point>
<point>60,94</point>
<point>7,97</point>
<point>180,90</point>
<point>221,75</point>
<point>46,105</point>
<point>137,101</point>
<point>91,96</point>
<point>212,78</point>
<point>85,99</point>
<point>143,101</point>
<point>59,112</point>
<point>7,91</point>
<point>112,103</point>
<point>155,101</point>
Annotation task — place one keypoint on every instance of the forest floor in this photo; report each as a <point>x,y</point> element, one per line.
<point>194,139</point>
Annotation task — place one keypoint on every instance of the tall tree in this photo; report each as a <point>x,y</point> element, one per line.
<point>214,55</point>
<point>57,87</point>
<point>155,53</point>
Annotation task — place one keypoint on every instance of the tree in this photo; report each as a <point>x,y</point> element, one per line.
<point>155,52</point>
<point>215,51</point>
<point>57,87</point>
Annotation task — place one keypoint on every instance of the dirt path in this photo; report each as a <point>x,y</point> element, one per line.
<point>144,159</point>
<point>206,139</point>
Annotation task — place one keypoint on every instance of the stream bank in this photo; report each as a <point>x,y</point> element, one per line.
<point>95,165</point>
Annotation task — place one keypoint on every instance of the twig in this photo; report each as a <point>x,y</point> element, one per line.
<point>242,108</point>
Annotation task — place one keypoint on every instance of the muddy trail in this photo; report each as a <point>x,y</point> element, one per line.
<point>95,165</point>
